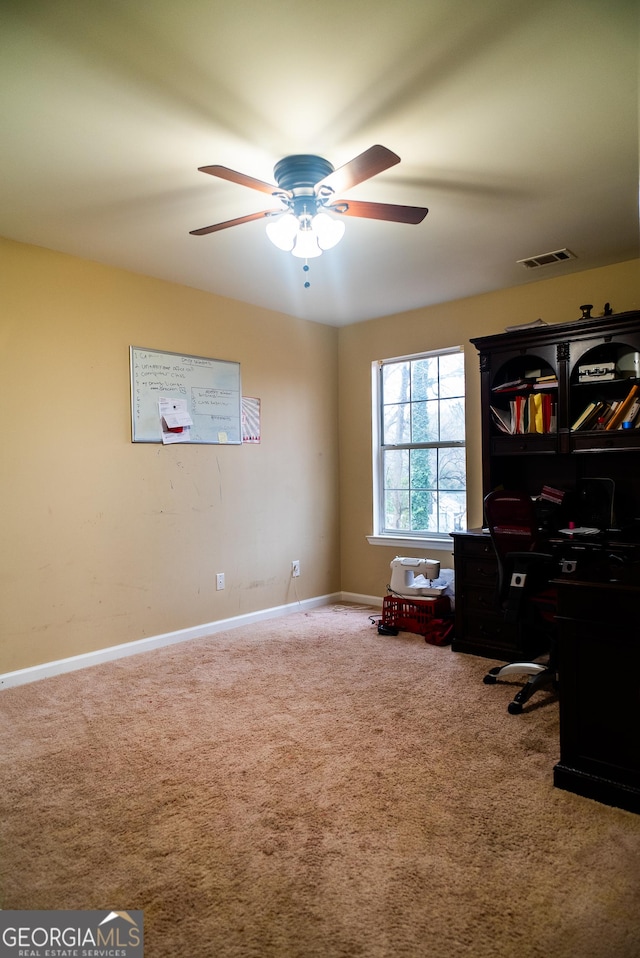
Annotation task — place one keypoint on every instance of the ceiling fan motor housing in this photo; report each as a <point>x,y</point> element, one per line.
<point>298,175</point>
<point>301,171</point>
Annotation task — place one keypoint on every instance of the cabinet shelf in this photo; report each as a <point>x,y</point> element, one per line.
<point>605,383</point>
<point>524,444</point>
<point>527,461</point>
<point>599,440</point>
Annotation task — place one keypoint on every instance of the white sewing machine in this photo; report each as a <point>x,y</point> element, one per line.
<point>415,576</point>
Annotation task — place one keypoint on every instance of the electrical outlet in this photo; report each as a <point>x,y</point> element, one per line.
<point>220,581</point>
<point>295,568</point>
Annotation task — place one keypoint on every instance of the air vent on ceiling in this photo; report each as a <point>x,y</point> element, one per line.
<point>546,259</point>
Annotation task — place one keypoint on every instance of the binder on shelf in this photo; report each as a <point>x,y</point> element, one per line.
<point>548,414</point>
<point>535,413</point>
<point>536,421</point>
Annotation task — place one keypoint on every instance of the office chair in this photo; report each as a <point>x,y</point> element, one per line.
<point>524,594</point>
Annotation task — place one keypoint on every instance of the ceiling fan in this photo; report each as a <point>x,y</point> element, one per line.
<point>307,187</point>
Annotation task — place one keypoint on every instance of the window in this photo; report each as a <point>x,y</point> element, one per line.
<point>419,445</point>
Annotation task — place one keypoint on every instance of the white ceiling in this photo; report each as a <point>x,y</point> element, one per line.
<point>516,122</point>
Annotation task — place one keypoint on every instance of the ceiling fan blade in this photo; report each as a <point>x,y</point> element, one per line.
<point>380,211</point>
<point>237,222</point>
<point>362,167</point>
<point>226,174</point>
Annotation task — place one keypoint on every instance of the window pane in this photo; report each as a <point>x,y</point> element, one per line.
<point>396,382</point>
<point>451,473</point>
<point>451,420</point>
<point>453,512</point>
<point>396,469</point>
<point>424,421</point>
<point>452,375</point>
<point>396,424</point>
<point>424,514</point>
<point>424,378</point>
<point>396,509</point>
<point>424,468</point>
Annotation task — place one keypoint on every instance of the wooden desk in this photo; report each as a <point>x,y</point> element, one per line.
<point>599,669</point>
<point>480,627</point>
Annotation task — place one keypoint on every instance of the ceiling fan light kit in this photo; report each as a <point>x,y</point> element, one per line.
<point>305,235</point>
<point>306,188</point>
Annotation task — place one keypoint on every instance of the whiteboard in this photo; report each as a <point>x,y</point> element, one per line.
<point>211,388</point>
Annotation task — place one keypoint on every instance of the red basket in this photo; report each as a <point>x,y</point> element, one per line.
<point>430,617</point>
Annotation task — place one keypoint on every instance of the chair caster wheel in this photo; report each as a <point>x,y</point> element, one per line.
<point>514,708</point>
<point>492,675</point>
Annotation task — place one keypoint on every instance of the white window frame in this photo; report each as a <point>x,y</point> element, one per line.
<point>433,541</point>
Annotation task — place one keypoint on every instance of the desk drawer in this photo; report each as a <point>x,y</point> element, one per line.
<point>479,545</point>
<point>481,601</point>
<point>480,625</point>
<point>487,635</point>
<point>474,572</point>
<point>490,630</point>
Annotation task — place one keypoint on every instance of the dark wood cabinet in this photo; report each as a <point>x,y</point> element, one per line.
<point>541,379</point>
<point>480,626</point>
<point>599,665</point>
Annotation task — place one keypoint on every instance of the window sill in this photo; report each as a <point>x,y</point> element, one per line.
<point>444,543</point>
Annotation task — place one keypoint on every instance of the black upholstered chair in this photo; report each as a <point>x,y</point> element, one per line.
<point>524,593</point>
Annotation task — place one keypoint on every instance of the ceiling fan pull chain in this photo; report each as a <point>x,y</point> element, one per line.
<point>306,270</point>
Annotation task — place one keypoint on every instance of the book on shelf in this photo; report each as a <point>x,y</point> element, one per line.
<point>513,385</point>
<point>535,413</point>
<point>631,414</point>
<point>531,380</point>
<point>551,494</point>
<point>502,419</point>
<point>594,414</point>
<point>604,414</point>
<point>619,416</point>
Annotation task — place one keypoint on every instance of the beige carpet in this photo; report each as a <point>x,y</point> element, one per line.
<point>306,787</point>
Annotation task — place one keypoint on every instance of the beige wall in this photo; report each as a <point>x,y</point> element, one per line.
<point>105,541</point>
<point>365,567</point>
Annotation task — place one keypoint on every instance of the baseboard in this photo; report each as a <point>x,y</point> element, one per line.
<point>374,600</point>
<point>87,659</point>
